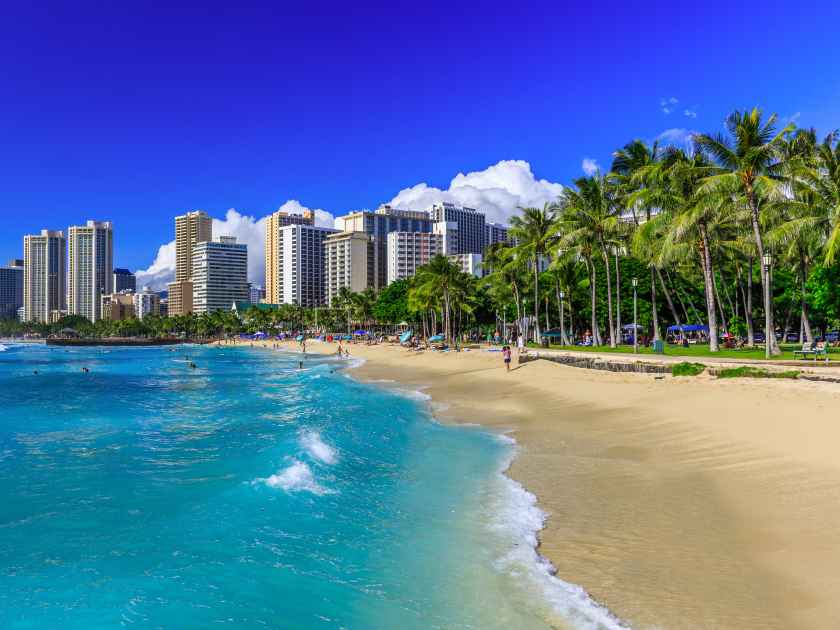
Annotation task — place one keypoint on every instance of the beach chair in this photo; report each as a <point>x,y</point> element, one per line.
<point>807,349</point>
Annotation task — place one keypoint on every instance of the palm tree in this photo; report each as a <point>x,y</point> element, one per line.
<point>445,278</point>
<point>590,223</point>
<point>632,165</point>
<point>686,223</point>
<point>344,300</point>
<point>536,231</point>
<point>750,169</point>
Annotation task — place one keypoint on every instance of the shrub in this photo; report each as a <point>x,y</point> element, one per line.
<point>753,372</point>
<point>687,369</point>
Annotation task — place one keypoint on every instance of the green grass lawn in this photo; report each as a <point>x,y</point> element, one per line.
<point>697,350</point>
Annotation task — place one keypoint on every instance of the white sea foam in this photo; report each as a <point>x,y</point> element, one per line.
<point>297,477</point>
<point>318,449</point>
<point>517,517</point>
<point>3,348</point>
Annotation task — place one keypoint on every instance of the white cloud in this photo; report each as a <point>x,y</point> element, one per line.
<point>247,229</point>
<point>590,166</point>
<point>667,105</point>
<point>690,113</point>
<point>677,137</point>
<point>497,191</point>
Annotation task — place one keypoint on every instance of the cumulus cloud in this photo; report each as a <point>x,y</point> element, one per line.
<point>590,166</point>
<point>247,229</point>
<point>690,113</point>
<point>497,191</point>
<point>667,105</point>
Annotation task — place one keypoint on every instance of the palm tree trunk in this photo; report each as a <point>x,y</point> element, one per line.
<point>610,320</point>
<point>719,303</point>
<point>536,299</point>
<point>708,277</point>
<point>748,310</point>
<point>617,295</point>
<point>803,275</point>
<point>596,336</point>
<point>653,314</point>
<point>679,296</point>
<point>668,298</point>
<point>766,278</point>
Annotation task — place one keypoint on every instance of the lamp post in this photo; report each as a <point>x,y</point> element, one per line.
<point>635,318</point>
<point>767,260</point>
<point>562,320</point>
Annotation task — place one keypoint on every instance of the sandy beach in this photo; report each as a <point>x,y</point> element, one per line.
<point>675,502</point>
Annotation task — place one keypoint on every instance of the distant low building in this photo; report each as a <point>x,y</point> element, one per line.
<point>117,306</point>
<point>146,302</point>
<point>256,294</point>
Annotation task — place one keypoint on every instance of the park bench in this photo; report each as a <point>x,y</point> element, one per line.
<point>818,351</point>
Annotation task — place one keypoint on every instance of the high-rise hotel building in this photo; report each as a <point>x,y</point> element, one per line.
<point>11,289</point>
<point>90,270</point>
<point>219,274</point>
<point>495,233</point>
<point>379,224</point>
<point>409,250</point>
<point>273,224</point>
<point>470,225</point>
<point>190,229</point>
<point>351,260</point>
<point>295,267</point>
<point>44,276</point>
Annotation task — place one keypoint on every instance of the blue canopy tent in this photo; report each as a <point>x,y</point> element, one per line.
<point>406,336</point>
<point>346,338</point>
<point>360,333</point>
<point>689,328</point>
<point>435,338</point>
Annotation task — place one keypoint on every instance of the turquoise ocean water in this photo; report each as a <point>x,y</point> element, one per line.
<point>250,494</point>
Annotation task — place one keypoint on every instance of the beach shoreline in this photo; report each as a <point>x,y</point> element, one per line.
<point>676,503</point>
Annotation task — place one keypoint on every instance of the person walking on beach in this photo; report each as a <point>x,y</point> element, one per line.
<point>506,357</point>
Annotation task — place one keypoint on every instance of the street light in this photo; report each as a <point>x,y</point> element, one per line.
<point>562,321</point>
<point>767,259</point>
<point>635,318</point>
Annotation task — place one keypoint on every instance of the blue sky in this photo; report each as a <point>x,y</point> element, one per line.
<point>136,114</point>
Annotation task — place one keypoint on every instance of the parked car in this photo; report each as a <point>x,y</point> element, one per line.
<point>793,337</point>
<point>758,337</point>
<point>833,336</point>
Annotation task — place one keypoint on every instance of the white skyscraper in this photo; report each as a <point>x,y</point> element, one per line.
<point>298,265</point>
<point>90,272</point>
<point>470,225</point>
<point>409,250</point>
<point>44,275</point>
<point>219,275</point>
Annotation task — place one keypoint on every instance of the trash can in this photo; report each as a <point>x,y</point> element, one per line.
<point>659,346</point>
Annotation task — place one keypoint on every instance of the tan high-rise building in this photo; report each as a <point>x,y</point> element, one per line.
<point>90,271</point>
<point>273,224</point>
<point>117,306</point>
<point>44,275</point>
<point>190,228</point>
<point>350,260</point>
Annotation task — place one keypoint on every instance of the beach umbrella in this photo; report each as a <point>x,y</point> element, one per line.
<point>554,332</point>
<point>299,338</point>
<point>360,333</point>
<point>347,338</point>
<point>405,336</point>
<point>403,324</point>
<point>436,338</point>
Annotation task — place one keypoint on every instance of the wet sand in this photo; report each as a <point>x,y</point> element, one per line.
<point>677,503</point>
